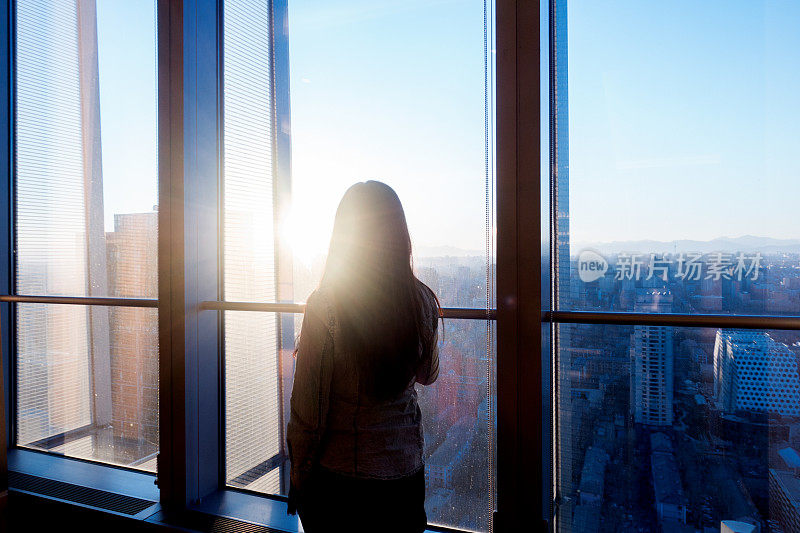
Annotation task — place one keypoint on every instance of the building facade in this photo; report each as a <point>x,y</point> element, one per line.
<point>652,361</point>
<point>753,372</point>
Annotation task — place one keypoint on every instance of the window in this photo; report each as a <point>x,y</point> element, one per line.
<point>253,412</point>
<point>412,108</point>
<point>663,390</point>
<point>670,161</point>
<point>86,227</point>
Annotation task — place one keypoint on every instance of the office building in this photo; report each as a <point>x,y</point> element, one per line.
<point>753,372</point>
<point>652,376</point>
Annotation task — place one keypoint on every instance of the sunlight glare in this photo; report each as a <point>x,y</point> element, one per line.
<point>305,235</point>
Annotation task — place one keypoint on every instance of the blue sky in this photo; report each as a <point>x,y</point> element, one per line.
<point>128,108</point>
<point>391,90</point>
<point>683,117</point>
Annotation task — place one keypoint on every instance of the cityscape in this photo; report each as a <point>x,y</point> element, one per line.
<point>656,428</point>
<point>672,429</point>
<point>707,421</point>
<point>680,429</point>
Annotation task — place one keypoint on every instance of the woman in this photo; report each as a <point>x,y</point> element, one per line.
<point>369,334</point>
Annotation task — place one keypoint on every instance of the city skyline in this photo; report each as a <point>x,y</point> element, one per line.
<point>655,426</point>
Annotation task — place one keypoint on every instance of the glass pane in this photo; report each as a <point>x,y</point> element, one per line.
<point>85,150</point>
<point>87,382</point>
<point>459,420</point>
<point>372,131</point>
<point>252,416</point>
<point>456,412</point>
<point>255,410</point>
<point>680,429</point>
<point>400,93</point>
<point>675,157</point>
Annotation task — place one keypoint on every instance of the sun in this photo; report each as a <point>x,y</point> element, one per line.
<point>305,234</point>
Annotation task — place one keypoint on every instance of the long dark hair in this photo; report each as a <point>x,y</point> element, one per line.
<point>378,299</point>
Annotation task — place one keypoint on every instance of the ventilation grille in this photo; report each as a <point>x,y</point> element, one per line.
<point>74,493</point>
<point>218,524</point>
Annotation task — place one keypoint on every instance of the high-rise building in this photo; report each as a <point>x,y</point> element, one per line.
<point>784,490</point>
<point>753,372</point>
<point>652,363</point>
<point>132,257</point>
<point>559,165</point>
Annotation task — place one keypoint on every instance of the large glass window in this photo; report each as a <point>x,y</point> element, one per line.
<point>672,178</point>
<point>85,206</point>
<point>675,156</point>
<point>681,428</point>
<point>399,93</point>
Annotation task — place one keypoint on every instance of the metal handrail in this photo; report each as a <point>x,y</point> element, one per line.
<point>674,319</point>
<point>789,322</point>
<point>80,300</point>
<point>447,312</point>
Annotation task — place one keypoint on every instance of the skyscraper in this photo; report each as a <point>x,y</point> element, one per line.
<point>132,250</point>
<point>652,381</point>
<point>753,372</point>
<point>559,197</point>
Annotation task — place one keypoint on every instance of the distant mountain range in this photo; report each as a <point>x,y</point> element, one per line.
<point>446,251</point>
<point>745,243</point>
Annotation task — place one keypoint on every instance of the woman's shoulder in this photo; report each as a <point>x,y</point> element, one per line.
<point>430,303</point>
<point>320,304</point>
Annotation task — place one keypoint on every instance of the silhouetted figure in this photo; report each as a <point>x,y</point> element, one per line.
<point>369,334</point>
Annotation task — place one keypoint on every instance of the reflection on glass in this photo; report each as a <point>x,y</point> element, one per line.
<point>85,191</point>
<point>683,428</point>
<point>90,393</point>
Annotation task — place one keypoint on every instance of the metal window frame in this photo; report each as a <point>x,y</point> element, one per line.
<point>21,459</point>
<point>519,339</point>
<point>6,235</point>
<point>189,159</point>
<point>189,207</point>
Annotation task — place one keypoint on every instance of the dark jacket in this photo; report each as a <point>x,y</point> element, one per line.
<point>361,437</point>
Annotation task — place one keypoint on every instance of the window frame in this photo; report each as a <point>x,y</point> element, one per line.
<point>85,472</point>
<point>189,470</point>
<point>190,473</point>
<point>555,315</point>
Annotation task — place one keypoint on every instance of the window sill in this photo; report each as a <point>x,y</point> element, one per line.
<point>230,504</point>
<point>255,509</point>
<point>86,474</point>
<point>249,508</point>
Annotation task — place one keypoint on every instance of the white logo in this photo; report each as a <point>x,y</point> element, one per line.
<point>591,266</point>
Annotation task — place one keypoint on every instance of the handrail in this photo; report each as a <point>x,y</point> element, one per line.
<point>790,322</point>
<point>447,312</point>
<point>80,300</point>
